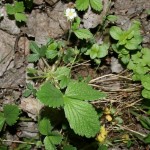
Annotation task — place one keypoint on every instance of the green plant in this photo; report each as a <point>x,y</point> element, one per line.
<point>9,115</point>
<point>83,5</point>
<point>30,90</point>
<point>17,10</point>
<point>127,42</point>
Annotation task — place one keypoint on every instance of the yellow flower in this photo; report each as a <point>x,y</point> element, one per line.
<point>108,118</point>
<point>102,135</point>
<point>107,111</point>
<point>125,138</point>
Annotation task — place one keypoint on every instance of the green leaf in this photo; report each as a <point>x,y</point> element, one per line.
<point>145,121</point>
<point>112,18</point>
<point>147,139</point>
<point>83,34</point>
<point>20,17</point>
<point>2,120</point>
<point>49,95</point>
<point>115,32</point>
<point>51,54</point>
<point>10,9</point>
<point>146,93</point>
<point>34,47</point>
<point>45,126</point>
<point>76,24</point>
<point>33,58</point>
<point>103,50</point>
<point>82,91</point>
<point>96,5</point>
<point>55,137</point>
<point>133,43</point>
<point>30,86</point>
<point>82,117</point>
<point>11,114</point>
<point>146,82</point>
<point>27,93</point>
<point>19,7</point>
<point>69,147</point>
<point>48,144</point>
<point>61,72</point>
<point>82,4</point>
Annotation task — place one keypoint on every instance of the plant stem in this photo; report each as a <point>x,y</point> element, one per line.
<point>70,31</point>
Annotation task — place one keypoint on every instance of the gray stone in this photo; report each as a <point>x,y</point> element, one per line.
<point>8,25</point>
<point>51,25</point>
<point>51,2</point>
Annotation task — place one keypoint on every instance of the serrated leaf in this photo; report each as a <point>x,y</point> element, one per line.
<point>19,7</point>
<point>51,54</point>
<point>96,5</point>
<point>82,4</point>
<point>82,117</point>
<point>33,58</point>
<point>146,93</point>
<point>2,120</point>
<point>49,95</point>
<point>10,9</point>
<point>115,32</point>
<point>82,91</point>
<point>45,126</point>
<point>48,144</point>
<point>11,114</point>
<point>83,34</point>
<point>20,17</point>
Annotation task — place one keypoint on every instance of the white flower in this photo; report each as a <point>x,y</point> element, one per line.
<point>1,15</point>
<point>70,13</point>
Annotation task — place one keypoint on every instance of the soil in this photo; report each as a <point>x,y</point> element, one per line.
<point>46,20</point>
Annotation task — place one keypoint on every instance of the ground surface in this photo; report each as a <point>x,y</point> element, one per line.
<point>47,20</point>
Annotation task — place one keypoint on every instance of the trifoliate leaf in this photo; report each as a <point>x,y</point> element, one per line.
<point>48,144</point>
<point>83,34</point>
<point>49,95</point>
<point>82,91</point>
<point>45,126</point>
<point>96,4</point>
<point>146,93</point>
<point>11,113</point>
<point>146,82</point>
<point>2,121</point>
<point>82,4</point>
<point>115,32</point>
<point>82,117</point>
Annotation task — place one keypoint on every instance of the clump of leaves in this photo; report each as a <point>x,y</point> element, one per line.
<point>127,41</point>
<point>98,51</point>
<point>30,90</point>
<point>9,115</point>
<point>81,115</point>
<point>17,10</point>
